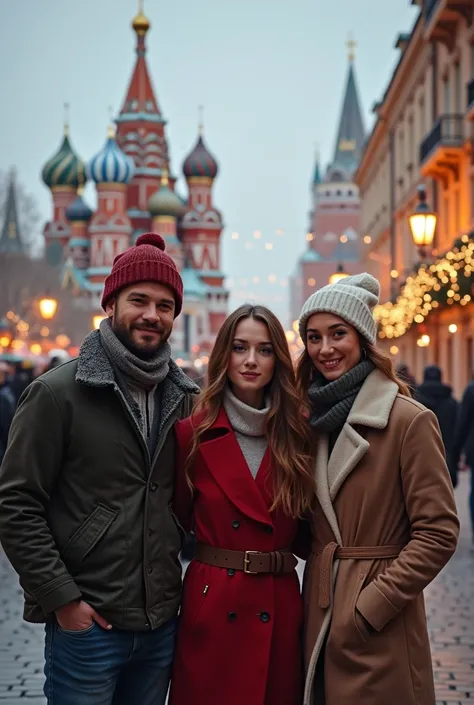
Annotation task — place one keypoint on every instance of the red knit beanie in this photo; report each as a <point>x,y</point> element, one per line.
<point>146,261</point>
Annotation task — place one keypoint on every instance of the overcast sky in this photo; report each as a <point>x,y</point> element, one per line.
<point>270,74</point>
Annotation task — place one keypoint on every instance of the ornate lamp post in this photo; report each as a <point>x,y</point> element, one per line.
<point>339,274</point>
<point>423,224</point>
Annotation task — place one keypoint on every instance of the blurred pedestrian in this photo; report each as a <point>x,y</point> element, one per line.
<point>386,523</point>
<point>438,397</point>
<point>7,406</point>
<point>243,479</point>
<point>85,492</point>
<point>403,373</point>
<point>464,442</point>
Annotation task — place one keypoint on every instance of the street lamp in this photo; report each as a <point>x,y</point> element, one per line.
<point>338,274</point>
<point>5,333</point>
<point>48,307</point>
<point>422,224</point>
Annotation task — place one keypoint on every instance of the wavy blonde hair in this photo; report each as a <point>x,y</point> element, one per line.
<point>286,430</point>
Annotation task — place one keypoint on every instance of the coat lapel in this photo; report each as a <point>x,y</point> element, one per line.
<point>322,486</point>
<point>371,409</point>
<point>226,463</point>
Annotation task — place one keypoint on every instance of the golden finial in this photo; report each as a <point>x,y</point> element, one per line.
<point>164,177</point>
<point>351,47</point>
<point>201,121</point>
<point>111,127</point>
<point>66,119</point>
<point>141,24</point>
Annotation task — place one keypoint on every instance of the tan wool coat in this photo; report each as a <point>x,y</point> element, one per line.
<point>385,525</point>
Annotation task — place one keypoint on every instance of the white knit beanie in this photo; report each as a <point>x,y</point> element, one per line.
<point>352,299</point>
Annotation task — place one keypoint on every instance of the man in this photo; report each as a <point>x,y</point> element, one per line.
<point>85,492</point>
<point>7,407</point>
<point>438,397</point>
<point>465,442</point>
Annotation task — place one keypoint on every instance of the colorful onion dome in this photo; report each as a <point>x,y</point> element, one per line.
<point>64,168</point>
<point>165,201</point>
<point>111,165</point>
<point>78,211</point>
<point>200,162</point>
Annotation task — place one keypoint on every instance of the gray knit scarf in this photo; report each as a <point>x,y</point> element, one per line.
<point>331,402</point>
<point>147,373</point>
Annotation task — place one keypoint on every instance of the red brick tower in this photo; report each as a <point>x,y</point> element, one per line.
<point>141,133</point>
<point>333,237</point>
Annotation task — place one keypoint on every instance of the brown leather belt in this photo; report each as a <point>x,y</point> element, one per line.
<point>250,562</point>
<point>332,552</point>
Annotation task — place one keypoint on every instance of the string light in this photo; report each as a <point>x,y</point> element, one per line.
<point>446,281</point>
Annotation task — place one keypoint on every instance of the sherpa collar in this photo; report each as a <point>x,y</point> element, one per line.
<point>95,370</point>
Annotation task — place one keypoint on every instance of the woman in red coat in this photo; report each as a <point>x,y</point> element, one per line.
<point>243,480</point>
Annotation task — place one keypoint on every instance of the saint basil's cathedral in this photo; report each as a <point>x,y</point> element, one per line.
<point>135,194</point>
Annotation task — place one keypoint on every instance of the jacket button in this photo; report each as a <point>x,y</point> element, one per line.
<point>268,529</point>
<point>232,616</point>
<point>231,572</point>
<point>150,532</point>
<point>235,524</point>
<point>147,625</point>
<point>264,616</point>
<point>153,486</point>
<point>149,570</point>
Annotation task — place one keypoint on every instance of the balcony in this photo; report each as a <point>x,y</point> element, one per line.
<point>470,100</point>
<point>442,17</point>
<point>442,149</point>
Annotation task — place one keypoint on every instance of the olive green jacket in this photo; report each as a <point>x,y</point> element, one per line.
<point>84,511</point>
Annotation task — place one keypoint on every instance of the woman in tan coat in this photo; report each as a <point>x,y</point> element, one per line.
<point>385,523</point>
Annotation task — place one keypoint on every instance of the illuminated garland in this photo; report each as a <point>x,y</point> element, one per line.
<point>446,282</point>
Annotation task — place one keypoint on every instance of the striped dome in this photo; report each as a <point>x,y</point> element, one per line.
<point>64,168</point>
<point>200,162</point>
<point>111,165</point>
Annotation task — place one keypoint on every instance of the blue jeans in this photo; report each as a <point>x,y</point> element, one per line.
<point>99,667</point>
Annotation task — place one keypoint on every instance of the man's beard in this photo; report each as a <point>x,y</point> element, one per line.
<point>124,334</point>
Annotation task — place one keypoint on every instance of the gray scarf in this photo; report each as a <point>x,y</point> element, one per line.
<point>331,402</point>
<point>147,373</point>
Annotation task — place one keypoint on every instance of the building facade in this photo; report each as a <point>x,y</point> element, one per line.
<point>333,233</point>
<point>423,136</point>
<point>135,188</point>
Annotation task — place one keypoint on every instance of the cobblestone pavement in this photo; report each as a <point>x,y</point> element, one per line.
<point>450,607</point>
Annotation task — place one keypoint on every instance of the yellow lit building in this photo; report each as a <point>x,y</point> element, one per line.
<point>423,135</point>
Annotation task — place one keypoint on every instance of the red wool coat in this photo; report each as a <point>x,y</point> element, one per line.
<point>239,640</point>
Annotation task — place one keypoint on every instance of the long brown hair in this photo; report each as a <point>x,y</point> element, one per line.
<point>305,369</point>
<point>286,429</point>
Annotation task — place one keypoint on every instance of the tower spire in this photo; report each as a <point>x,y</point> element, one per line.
<point>10,238</point>
<point>351,133</point>
<point>351,45</point>
<point>201,120</point>
<point>66,119</point>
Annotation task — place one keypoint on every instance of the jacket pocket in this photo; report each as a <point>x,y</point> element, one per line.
<point>89,534</point>
<point>357,618</point>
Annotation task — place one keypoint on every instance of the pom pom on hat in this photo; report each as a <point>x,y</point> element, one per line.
<point>151,239</point>
<point>146,261</point>
<point>352,299</point>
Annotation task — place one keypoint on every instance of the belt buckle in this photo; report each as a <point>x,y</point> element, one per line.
<point>247,562</point>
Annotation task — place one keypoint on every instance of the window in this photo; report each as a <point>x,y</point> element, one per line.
<point>457,88</point>
<point>447,95</point>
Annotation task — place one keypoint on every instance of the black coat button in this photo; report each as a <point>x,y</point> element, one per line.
<point>232,616</point>
<point>235,524</point>
<point>153,486</point>
<point>268,529</point>
<point>147,625</point>
<point>149,570</point>
<point>264,616</point>
<point>231,572</point>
